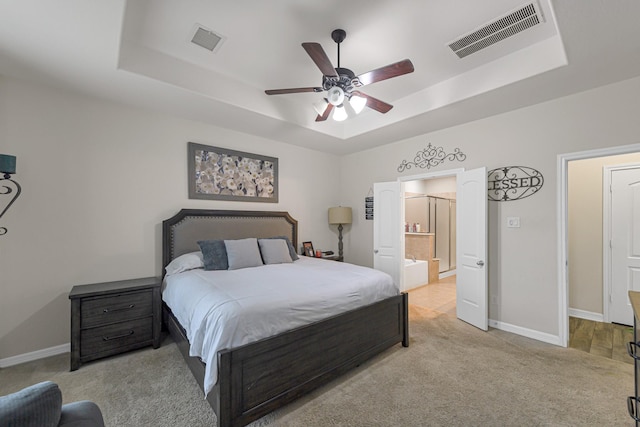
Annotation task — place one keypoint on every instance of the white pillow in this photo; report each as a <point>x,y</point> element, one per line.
<point>185,262</point>
<point>243,253</point>
<point>274,251</point>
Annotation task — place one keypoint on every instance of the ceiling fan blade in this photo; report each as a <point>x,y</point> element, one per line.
<point>318,55</point>
<point>374,103</point>
<point>292,90</point>
<point>325,115</point>
<point>391,70</point>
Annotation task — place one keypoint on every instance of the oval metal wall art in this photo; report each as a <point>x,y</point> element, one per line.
<point>513,183</point>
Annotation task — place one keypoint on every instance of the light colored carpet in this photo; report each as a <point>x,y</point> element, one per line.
<point>451,375</point>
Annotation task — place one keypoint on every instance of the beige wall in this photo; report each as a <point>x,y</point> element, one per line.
<point>523,276</point>
<point>586,230</point>
<point>98,178</point>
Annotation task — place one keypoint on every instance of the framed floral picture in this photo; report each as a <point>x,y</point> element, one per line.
<point>222,174</point>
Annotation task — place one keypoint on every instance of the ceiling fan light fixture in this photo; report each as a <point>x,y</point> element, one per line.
<point>339,83</point>
<point>320,106</point>
<point>358,103</point>
<point>335,95</point>
<point>339,114</point>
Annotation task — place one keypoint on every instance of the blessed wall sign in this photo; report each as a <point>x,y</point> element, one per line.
<point>510,183</point>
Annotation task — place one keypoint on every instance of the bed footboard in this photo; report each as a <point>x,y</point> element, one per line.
<point>260,377</point>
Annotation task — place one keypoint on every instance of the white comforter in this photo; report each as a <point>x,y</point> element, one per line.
<point>229,308</point>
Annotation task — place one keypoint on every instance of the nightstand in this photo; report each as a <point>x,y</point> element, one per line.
<point>333,258</point>
<point>113,317</point>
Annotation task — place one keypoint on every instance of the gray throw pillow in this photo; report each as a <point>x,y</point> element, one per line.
<point>292,250</point>
<point>38,405</point>
<point>243,253</point>
<point>274,251</point>
<point>214,254</point>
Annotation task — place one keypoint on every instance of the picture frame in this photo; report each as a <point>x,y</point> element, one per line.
<point>307,248</point>
<point>217,173</point>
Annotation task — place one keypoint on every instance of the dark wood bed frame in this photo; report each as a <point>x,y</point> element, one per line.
<point>257,378</point>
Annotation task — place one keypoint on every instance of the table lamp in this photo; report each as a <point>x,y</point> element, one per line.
<point>340,215</point>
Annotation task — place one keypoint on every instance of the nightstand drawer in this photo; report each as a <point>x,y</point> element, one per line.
<point>105,310</point>
<point>105,339</point>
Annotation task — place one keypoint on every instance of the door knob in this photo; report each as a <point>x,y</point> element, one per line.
<point>480,263</point>
<point>375,251</point>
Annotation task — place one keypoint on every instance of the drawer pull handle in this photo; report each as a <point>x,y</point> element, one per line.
<point>632,405</point>
<point>111,310</point>
<point>632,349</point>
<point>126,334</point>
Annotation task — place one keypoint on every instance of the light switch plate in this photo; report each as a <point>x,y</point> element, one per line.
<point>513,222</point>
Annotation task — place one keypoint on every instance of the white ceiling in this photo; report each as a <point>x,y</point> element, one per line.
<point>139,52</point>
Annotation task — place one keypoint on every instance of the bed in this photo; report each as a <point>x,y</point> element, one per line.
<point>256,378</point>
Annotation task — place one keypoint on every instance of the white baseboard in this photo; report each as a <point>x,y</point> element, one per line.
<point>525,332</point>
<point>35,355</point>
<point>588,315</point>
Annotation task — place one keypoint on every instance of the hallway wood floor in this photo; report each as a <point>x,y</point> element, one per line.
<point>601,339</point>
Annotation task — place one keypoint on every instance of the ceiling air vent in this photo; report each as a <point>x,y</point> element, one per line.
<point>206,38</point>
<point>510,24</point>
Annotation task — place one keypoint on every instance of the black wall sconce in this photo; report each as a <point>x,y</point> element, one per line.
<point>8,168</point>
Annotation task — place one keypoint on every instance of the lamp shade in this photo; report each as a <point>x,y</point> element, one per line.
<point>358,103</point>
<point>339,113</point>
<point>7,164</point>
<point>320,106</point>
<point>340,215</point>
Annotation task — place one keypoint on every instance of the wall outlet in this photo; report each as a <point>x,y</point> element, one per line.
<point>513,222</point>
<point>494,300</point>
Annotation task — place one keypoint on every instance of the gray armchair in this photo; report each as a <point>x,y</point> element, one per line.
<point>40,405</point>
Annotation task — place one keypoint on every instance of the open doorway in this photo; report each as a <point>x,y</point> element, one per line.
<point>471,238</point>
<point>430,243</point>
<point>598,278</point>
<point>573,295</point>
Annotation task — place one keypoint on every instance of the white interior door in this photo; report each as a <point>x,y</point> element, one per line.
<point>625,242</point>
<point>471,241</point>
<point>387,226</point>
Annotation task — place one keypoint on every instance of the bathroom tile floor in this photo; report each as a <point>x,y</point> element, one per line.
<point>439,296</point>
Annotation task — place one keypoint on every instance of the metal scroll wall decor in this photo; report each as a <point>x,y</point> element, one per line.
<point>510,183</point>
<point>431,157</point>
<point>8,185</point>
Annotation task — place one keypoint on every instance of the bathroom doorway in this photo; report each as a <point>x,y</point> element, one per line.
<point>389,253</point>
<point>430,242</point>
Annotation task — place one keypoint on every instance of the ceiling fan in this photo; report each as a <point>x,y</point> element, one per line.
<point>341,84</point>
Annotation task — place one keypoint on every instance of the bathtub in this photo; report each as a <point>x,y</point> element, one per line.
<point>416,273</point>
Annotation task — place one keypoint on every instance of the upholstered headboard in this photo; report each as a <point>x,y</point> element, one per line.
<point>181,232</point>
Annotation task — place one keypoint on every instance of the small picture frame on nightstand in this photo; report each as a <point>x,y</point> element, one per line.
<point>307,248</point>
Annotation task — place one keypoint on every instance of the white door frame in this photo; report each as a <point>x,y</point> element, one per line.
<point>563,226</point>
<point>606,234</point>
